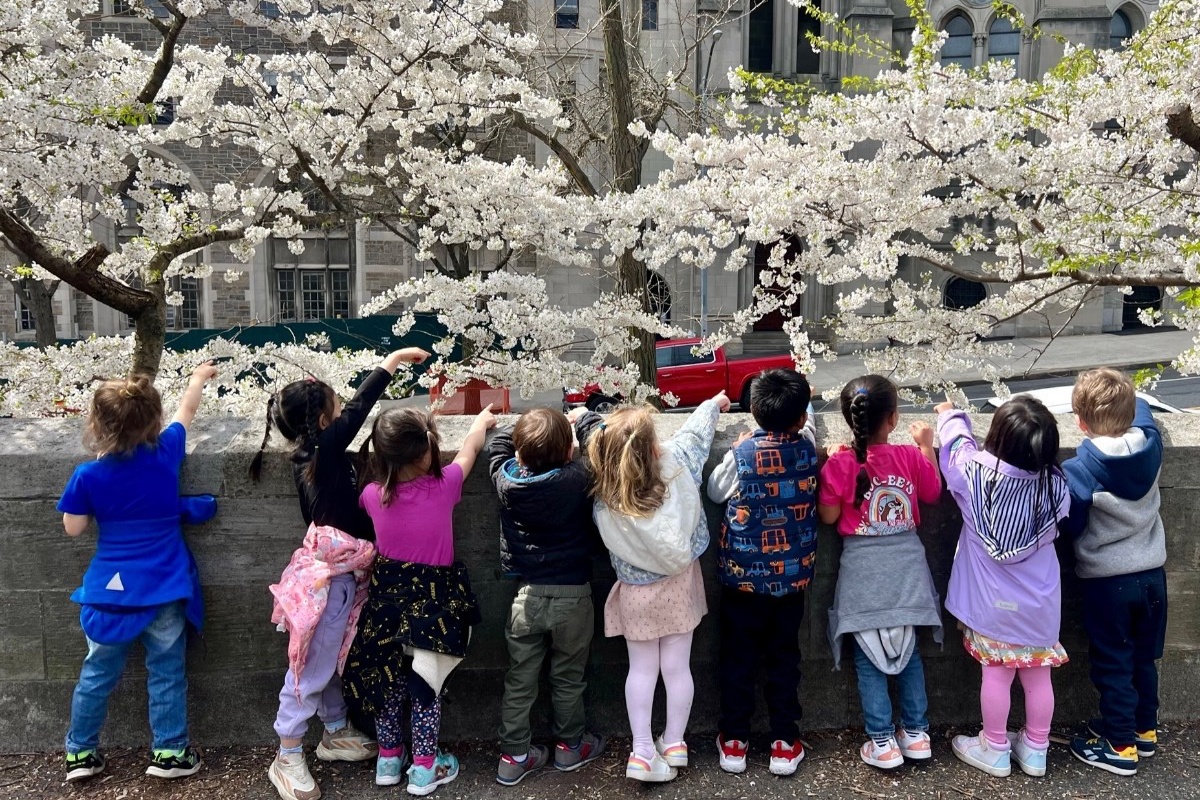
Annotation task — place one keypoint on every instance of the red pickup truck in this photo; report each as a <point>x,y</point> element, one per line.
<point>692,378</point>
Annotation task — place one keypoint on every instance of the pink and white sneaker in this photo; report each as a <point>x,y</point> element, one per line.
<point>882,753</point>
<point>914,745</point>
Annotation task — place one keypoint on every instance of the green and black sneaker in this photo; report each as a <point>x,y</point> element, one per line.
<point>84,764</point>
<point>174,763</point>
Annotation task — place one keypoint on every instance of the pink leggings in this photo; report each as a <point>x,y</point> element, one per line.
<point>671,656</point>
<point>995,698</point>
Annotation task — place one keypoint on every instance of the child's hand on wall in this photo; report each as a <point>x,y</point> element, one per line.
<point>942,408</point>
<point>575,413</point>
<point>722,401</point>
<point>835,448</point>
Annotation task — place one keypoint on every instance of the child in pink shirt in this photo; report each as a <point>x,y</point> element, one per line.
<point>420,607</point>
<point>884,589</point>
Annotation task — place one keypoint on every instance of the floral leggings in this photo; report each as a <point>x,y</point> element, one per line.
<point>411,707</point>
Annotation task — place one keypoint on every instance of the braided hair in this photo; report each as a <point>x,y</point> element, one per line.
<point>867,403</point>
<point>296,411</point>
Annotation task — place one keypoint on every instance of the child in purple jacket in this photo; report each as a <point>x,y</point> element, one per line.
<point>1004,586</point>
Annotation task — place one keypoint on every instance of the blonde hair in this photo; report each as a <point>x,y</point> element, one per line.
<point>124,414</point>
<point>623,453</point>
<point>1104,400</point>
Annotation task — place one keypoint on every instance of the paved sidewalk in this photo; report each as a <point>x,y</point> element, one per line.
<point>832,770</point>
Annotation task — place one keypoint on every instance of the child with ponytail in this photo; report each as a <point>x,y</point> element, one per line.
<point>420,607</point>
<point>321,591</point>
<point>650,516</point>
<point>884,589</point>
<point>142,583</point>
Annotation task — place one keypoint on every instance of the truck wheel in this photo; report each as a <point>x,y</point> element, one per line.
<point>602,404</point>
<point>745,401</point>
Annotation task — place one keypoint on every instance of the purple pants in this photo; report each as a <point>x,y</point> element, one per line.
<point>320,688</point>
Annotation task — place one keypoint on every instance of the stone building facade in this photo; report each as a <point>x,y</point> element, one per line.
<point>342,269</point>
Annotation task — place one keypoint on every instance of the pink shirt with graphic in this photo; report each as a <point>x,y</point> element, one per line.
<point>900,476</point>
<point>417,525</point>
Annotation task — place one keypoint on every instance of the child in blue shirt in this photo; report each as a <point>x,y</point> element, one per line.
<point>142,583</point>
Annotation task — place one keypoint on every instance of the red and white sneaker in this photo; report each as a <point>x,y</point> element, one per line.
<point>786,756</point>
<point>733,754</point>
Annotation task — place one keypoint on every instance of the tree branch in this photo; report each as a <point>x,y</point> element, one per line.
<point>582,181</point>
<point>1183,127</point>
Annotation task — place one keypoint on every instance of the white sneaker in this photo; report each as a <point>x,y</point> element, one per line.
<point>653,771</point>
<point>982,755</point>
<point>1031,760</point>
<point>732,753</point>
<point>914,745</point>
<point>347,744</point>
<point>884,754</point>
<point>674,753</point>
<point>290,776</point>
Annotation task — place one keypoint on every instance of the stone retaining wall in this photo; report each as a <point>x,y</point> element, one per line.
<point>236,670</point>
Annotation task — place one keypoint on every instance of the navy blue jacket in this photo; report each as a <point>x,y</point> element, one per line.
<point>546,531</point>
<point>1115,500</point>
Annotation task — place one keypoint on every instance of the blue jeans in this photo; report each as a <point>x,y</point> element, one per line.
<point>165,642</point>
<point>877,704</point>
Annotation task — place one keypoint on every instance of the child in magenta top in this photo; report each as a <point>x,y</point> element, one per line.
<point>420,607</point>
<point>884,589</point>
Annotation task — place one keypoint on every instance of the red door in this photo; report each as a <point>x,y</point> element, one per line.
<point>773,321</point>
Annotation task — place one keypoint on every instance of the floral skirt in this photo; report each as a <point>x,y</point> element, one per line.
<point>992,653</point>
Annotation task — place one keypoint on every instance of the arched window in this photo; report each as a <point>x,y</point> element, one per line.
<point>959,42</point>
<point>961,294</point>
<point>1119,30</point>
<point>1004,41</point>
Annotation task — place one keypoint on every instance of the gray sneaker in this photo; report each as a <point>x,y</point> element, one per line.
<point>510,772</point>
<point>569,759</point>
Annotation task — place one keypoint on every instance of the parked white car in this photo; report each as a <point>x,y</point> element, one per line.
<point>1058,400</point>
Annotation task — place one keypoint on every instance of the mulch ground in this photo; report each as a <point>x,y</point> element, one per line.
<point>831,770</point>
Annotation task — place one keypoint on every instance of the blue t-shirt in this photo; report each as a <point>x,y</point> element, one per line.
<point>141,560</point>
<point>142,485</point>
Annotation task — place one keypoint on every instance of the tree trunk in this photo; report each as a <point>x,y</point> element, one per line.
<point>150,332</point>
<point>39,299</point>
<point>627,174</point>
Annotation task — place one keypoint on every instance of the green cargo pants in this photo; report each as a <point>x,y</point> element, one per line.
<point>554,619</point>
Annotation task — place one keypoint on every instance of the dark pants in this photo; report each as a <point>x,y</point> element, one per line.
<point>1125,617</point>
<point>754,628</point>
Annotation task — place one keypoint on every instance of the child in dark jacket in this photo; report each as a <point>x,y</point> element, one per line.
<point>1120,550</point>
<point>547,540</point>
<point>765,562</point>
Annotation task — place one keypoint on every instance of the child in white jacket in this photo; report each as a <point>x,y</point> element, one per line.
<point>651,518</point>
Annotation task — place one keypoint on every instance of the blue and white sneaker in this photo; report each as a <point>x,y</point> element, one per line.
<point>982,755</point>
<point>424,780</point>
<point>1031,760</point>
<point>1099,752</point>
<point>388,769</point>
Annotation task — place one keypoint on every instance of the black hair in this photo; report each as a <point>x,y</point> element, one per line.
<point>399,437</point>
<point>779,399</point>
<point>867,403</point>
<point>296,411</point>
<point>1025,434</point>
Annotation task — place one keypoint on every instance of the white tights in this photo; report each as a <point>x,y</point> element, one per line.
<point>669,656</point>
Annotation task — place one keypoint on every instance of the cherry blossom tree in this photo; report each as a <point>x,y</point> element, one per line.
<point>1049,192</point>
